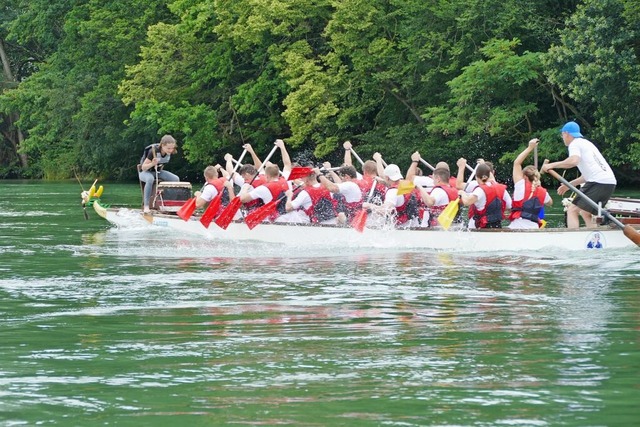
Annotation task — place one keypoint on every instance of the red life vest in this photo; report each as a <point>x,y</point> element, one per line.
<point>323,206</point>
<point>256,203</point>
<point>365,187</point>
<point>493,212</point>
<point>412,206</point>
<point>529,207</point>
<point>349,208</point>
<point>219,184</point>
<point>436,210</point>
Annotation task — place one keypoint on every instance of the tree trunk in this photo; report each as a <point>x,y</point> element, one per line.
<point>15,134</point>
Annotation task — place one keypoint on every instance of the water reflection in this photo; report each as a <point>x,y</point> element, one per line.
<point>154,327</point>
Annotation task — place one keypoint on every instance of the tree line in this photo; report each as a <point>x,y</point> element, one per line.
<point>87,84</point>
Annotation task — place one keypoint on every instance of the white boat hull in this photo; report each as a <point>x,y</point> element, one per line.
<point>335,236</point>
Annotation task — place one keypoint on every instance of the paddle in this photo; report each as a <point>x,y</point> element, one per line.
<point>187,209</point>
<point>427,164</point>
<point>299,172</point>
<point>360,219</point>
<point>226,216</point>
<point>446,217</point>
<point>448,214</point>
<point>405,187</point>
<point>630,232</point>
<point>356,156</point>
<point>214,204</point>
<point>256,217</point>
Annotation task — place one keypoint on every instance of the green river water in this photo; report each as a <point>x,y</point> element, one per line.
<point>135,327</point>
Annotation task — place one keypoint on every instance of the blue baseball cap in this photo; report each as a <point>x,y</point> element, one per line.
<point>573,129</point>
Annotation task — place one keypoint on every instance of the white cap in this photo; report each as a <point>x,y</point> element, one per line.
<point>393,172</point>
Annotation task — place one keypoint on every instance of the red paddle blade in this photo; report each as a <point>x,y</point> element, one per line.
<point>187,209</point>
<point>359,220</point>
<point>299,172</point>
<point>226,216</point>
<point>259,215</point>
<point>211,210</point>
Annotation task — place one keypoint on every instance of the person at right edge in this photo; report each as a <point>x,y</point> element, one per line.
<point>595,173</point>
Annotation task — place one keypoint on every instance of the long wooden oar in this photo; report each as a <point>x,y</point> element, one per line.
<point>628,230</point>
<point>226,216</point>
<point>214,204</point>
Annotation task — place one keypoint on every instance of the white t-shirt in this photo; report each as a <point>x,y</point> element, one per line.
<point>423,181</point>
<point>441,196</point>
<point>208,193</point>
<point>391,198</point>
<point>350,191</point>
<point>482,198</point>
<point>261,192</point>
<point>518,192</point>
<point>506,197</point>
<point>301,201</point>
<point>593,166</point>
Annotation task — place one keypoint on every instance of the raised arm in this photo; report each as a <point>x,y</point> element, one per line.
<point>517,163</point>
<point>286,159</point>
<point>222,171</point>
<point>411,172</point>
<point>257,163</point>
<point>462,164</point>
<point>347,153</point>
<point>229,163</point>
<point>379,166</point>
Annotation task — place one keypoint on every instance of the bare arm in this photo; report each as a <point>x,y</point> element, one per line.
<point>462,164</point>
<point>347,153</point>
<point>467,199</point>
<point>223,172</point>
<point>326,183</point>
<point>568,163</point>
<point>257,163</point>
<point>380,167</point>
<point>411,172</point>
<point>426,197</point>
<point>286,159</point>
<point>517,163</point>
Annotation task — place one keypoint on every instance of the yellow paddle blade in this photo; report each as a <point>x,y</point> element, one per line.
<point>448,214</point>
<point>405,187</point>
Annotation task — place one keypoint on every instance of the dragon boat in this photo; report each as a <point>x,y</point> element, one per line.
<point>456,238</point>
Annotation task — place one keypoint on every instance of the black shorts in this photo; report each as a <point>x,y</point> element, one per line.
<point>599,193</point>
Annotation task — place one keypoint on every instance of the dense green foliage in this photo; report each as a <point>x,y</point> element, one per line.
<point>87,83</point>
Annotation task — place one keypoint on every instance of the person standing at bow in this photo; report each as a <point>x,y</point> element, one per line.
<point>152,163</point>
<point>529,196</point>
<point>595,173</point>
